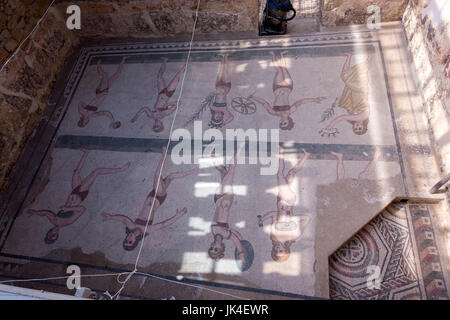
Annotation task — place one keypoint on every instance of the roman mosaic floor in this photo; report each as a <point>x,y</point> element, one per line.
<point>281,150</point>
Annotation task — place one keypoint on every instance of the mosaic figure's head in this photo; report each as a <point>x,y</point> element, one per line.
<point>280,251</point>
<point>132,239</point>
<point>360,127</point>
<point>51,236</point>
<point>287,124</point>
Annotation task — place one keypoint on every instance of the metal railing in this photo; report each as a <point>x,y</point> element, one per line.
<point>437,187</point>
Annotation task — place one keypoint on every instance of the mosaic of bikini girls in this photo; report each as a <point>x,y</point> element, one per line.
<point>104,193</point>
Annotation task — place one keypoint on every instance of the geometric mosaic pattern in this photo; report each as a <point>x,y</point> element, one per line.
<point>428,253</point>
<point>384,247</point>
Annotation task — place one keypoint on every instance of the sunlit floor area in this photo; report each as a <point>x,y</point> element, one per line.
<point>239,169</point>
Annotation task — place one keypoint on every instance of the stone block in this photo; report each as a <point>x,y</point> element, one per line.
<point>18,34</point>
<point>11,45</point>
<point>18,102</point>
<point>4,35</point>
<point>3,55</point>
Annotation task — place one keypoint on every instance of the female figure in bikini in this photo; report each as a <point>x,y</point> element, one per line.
<point>282,88</point>
<point>163,107</point>
<point>135,229</point>
<point>223,200</point>
<point>340,171</point>
<point>286,228</point>
<point>220,115</point>
<point>72,209</point>
<point>355,97</point>
<point>90,110</point>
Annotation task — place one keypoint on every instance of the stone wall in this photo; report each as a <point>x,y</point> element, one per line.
<point>17,19</point>
<point>427,28</point>
<point>26,82</point>
<point>163,18</point>
<point>347,12</point>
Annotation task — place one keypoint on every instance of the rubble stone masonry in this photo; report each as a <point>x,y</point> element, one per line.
<point>427,28</point>
<point>27,80</point>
